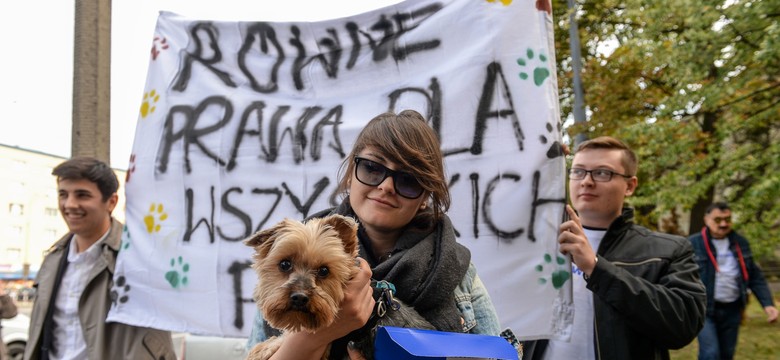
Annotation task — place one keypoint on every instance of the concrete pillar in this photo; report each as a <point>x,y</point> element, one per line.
<point>92,79</point>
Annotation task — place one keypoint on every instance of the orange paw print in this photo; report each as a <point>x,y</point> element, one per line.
<point>150,99</point>
<point>155,217</point>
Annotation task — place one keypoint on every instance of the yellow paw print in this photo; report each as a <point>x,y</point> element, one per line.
<point>156,212</point>
<point>150,99</point>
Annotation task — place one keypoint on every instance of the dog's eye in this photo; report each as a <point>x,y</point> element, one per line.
<point>323,272</point>
<point>285,265</point>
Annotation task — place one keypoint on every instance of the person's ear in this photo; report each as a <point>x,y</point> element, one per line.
<point>631,185</point>
<point>112,201</point>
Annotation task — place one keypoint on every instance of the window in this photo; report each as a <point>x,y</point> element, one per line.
<point>51,211</point>
<point>16,209</point>
<point>15,232</point>
<point>13,254</point>
<point>51,235</point>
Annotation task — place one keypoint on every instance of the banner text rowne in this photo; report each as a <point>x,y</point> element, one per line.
<point>381,37</point>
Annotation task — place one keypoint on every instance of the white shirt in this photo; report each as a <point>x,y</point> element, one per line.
<point>727,277</point>
<point>580,346</point>
<point>68,339</point>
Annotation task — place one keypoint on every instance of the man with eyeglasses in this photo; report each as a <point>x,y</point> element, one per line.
<point>727,270</point>
<point>636,292</point>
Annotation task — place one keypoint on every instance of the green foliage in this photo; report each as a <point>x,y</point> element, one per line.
<point>694,88</point>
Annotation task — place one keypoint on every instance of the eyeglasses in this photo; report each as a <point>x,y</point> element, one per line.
<point>718,220</point>
<point>372,174</point>
<point>600,175</point>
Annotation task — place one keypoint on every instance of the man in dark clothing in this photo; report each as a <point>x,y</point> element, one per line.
<point>727,270</point>
<point>638,294</point>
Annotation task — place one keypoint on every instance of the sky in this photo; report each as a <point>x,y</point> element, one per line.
<point>37,67</point>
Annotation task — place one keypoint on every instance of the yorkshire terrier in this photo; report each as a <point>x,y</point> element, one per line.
<point>303,269</point>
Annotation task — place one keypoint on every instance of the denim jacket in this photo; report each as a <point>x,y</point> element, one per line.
<point>472,299</point>
<point>475,305</point>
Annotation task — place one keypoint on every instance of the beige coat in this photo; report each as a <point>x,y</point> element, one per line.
<point>104,340</point>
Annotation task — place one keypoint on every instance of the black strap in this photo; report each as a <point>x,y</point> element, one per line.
<point>383,295</point>
<point>48,321</point>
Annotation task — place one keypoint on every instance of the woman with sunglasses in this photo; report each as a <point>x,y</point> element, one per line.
<point>395,187</point>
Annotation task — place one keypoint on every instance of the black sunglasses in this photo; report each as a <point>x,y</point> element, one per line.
<point>372,174</point>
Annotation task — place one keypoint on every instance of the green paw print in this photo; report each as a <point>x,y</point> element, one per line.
<point>148,106</point>
<point>540,73</point>
<point>175,277</point>
<point>559,276</point>
<point>125,238</point>
<point>156,212</point>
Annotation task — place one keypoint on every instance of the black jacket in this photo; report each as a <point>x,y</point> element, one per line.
<point>647,294</point>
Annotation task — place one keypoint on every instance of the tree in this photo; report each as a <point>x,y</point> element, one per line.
<point>694,88</point>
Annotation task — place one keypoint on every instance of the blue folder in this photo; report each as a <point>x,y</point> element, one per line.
<point>394,343</point>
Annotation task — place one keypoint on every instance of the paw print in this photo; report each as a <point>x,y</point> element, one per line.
<point>119,291</point>
<point>540,73</point>
<point>505,2</point>
<point>156,213</point>
<point>125,238</point>
<point>130,168</point>
<point>559,276</point>
<point>556,149</point>
<point>160,42</point>
<point>150,99</point>
<point>176,278</point>
<point>544,5</point>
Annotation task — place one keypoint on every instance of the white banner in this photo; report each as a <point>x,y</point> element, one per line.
<point>244,123</point>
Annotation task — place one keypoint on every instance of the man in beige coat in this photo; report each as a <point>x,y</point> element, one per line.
<point>68,318</point>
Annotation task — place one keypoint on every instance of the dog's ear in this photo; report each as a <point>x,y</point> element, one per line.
<point>260,240</point>
<point>347,228</point>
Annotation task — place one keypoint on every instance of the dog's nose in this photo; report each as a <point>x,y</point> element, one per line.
<point>299,300</point>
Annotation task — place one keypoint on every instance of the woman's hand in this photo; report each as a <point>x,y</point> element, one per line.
<point>358,303</point>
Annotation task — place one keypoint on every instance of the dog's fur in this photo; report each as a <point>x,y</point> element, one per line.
<point>303,269</point>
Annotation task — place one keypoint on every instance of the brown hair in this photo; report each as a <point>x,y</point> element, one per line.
<point>407,140</point>
<point>630,162</point>
<point>89,168</point>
